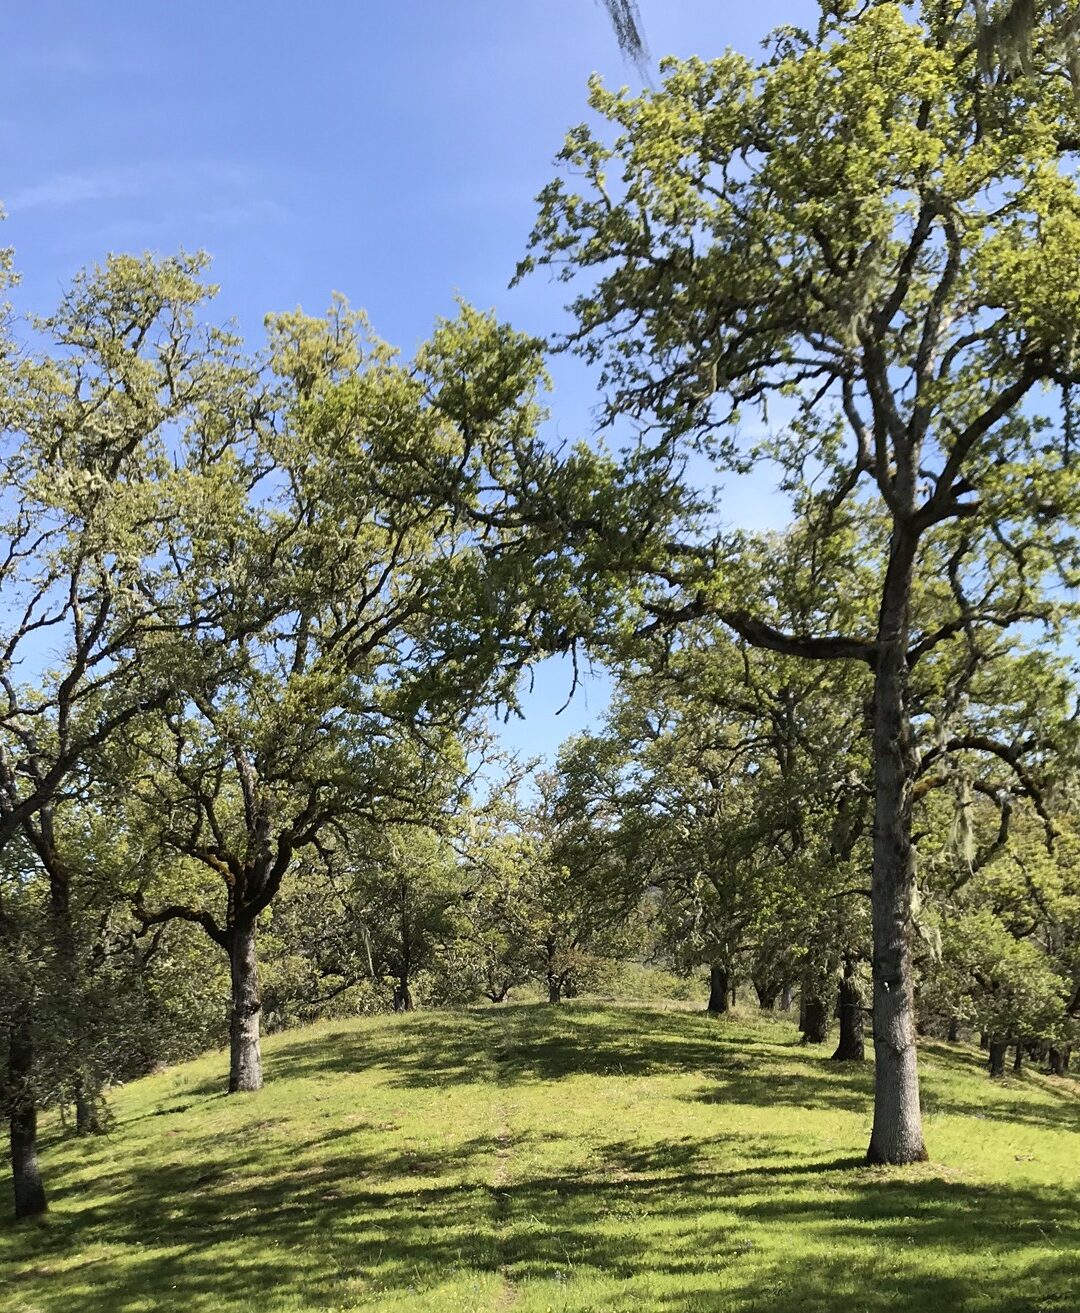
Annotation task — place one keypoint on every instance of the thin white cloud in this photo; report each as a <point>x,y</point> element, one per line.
<point>72,61</point>
<point>229,185</point>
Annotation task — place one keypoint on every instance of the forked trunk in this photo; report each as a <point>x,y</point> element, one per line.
<point>245,1056</point>
<point>897,1133</point>
<point>850,1048</point>
<point>719,991</point>
<point>22,1122</point>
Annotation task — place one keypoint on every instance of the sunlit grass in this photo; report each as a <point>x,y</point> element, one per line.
<point>568,1159</point>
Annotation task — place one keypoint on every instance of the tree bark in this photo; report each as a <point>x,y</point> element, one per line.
<point>766,991</point>
<point>998,1048</point>
<point>719,991</point>
<point>1018,1057</point>
<point>816,1023</point>
<point>851,1047</point>
<point>29,1189</point>
<point>953,1034</point>
<point>245,1056</point>
<point>897,1132</point>
<point>87,1114</point>
<point>786,998</point>
<point>403,999</point>
<point>554,989</point>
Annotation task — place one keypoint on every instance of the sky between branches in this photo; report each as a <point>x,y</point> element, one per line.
<point>391,152</point>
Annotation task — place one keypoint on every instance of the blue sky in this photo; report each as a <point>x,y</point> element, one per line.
<point>387,151</point>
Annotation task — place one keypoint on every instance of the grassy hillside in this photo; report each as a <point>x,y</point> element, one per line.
<point>584,1158</point>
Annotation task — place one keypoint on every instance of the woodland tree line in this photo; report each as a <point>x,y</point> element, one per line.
<point>260,604</point>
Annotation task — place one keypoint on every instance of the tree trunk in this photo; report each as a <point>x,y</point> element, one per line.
<point>1018,1057</point>
<point>719,991</point>
<point>897,1133</point>
<point>245,1056</point>
<point>87,1115</point>
<point>816,1025</point>
<point>1055,1062</point>
<point>766,991</point>
<point>554,989</point>
<point>22,1120</point>
<point>787,998</point>
<point>850,1048</point>
<point>403,999</point>
<point>984,1040</point>
<point>998,1049</point>
<point>954,1030</point>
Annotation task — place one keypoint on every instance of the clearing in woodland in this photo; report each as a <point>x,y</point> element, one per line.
<point>572,1159</point>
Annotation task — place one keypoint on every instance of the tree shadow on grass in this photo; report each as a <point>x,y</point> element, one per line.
<point>529,1042</point>
<point>533,1042</point>
<point>324,1228</point>
<point>698,1223</point>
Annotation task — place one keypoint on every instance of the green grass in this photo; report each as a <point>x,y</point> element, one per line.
<point>600,1159</point>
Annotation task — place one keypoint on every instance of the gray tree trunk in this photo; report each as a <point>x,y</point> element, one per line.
<point>245,1055</point>
<point>87,1110</point>
<point>719,991</point>
<point>897,1132</point>
<point>850,1047</point>
<point>29,1189</point>
<point>815,1021</point>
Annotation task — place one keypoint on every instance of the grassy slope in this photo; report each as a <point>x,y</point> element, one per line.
<point>536,1159</point>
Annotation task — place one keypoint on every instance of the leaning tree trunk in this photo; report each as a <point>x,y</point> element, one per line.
<point>719,991</point>
<point>897,1133</point>
<point>245,1056</point>
<point>998,1049</point>
<point>850,1048</point>
<point>22,1119</point>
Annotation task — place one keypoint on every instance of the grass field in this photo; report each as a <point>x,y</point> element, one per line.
<point>566,1159</point>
